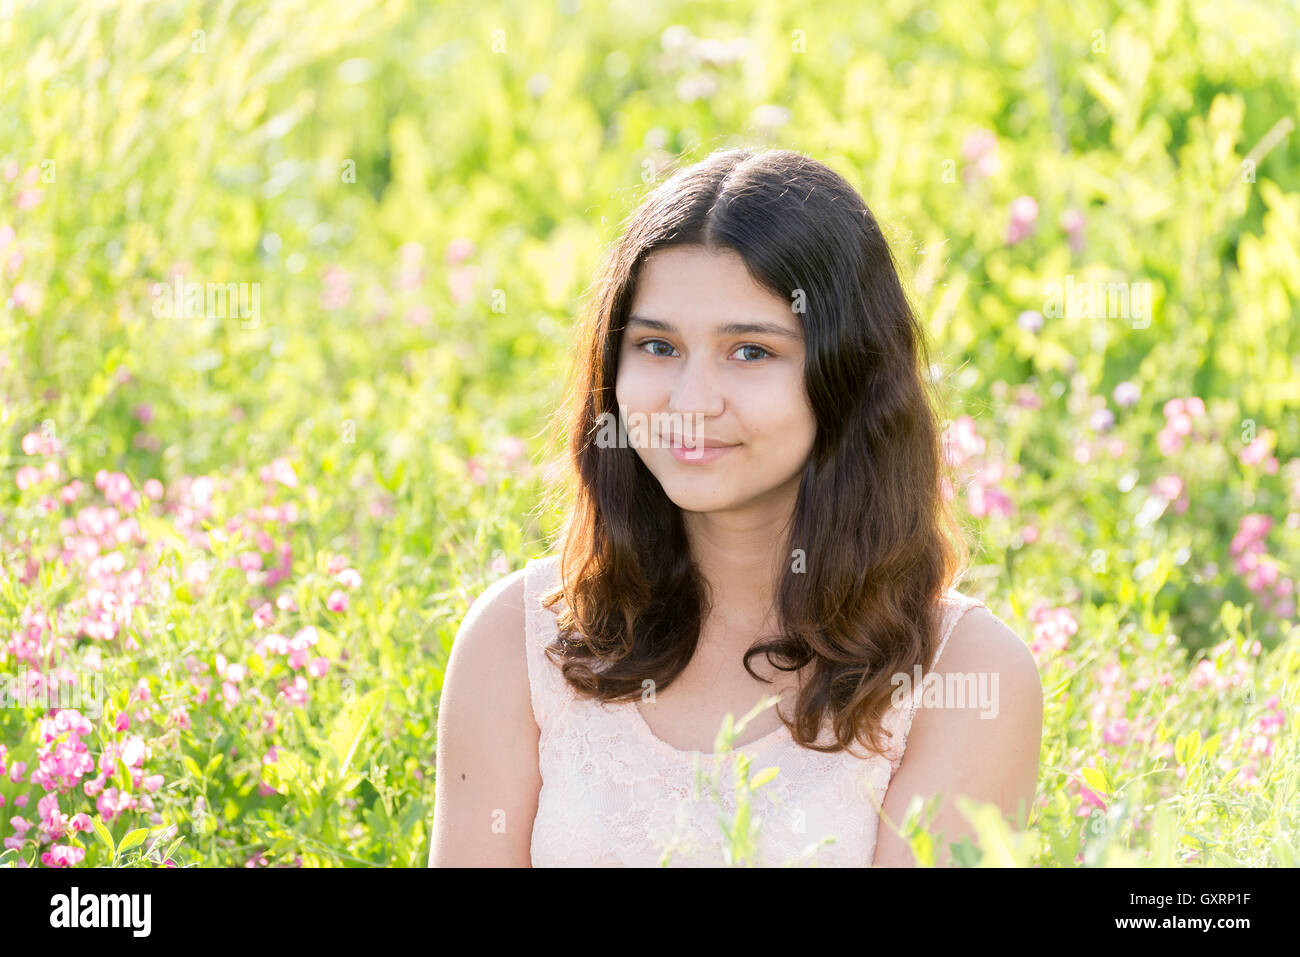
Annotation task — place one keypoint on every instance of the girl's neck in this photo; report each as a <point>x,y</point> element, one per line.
<point>742,555</point>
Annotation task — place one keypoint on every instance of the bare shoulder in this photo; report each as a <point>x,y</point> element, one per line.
<point>996,706</point>
<point>983,642</point>
<point>487,670</point>
<point>488,780</point>
<point>495,621</point>
<point>977,733</point>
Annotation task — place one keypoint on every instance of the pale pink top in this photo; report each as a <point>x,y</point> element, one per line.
<point>615,795</point>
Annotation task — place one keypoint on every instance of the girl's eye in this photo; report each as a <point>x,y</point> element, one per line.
<point>749,355</point>
<point>652,344</point>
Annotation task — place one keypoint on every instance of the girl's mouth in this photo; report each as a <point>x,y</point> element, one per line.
<point>700,454</point>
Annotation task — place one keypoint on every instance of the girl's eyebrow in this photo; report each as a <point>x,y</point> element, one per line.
<point>726,329</point>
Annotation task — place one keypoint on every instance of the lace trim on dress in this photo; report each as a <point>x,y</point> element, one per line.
<point>614,794</point>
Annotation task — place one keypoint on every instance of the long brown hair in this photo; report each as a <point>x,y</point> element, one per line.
<point>880,538</point>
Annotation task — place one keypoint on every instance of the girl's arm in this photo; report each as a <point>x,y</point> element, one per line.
<point>989,754</point>
<point>488,780</point>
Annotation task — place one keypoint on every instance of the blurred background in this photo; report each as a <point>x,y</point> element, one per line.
<point>287,293</point>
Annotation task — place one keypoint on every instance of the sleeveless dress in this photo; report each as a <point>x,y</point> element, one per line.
<point>615,795</point>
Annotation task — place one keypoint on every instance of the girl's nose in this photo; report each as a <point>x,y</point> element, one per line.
<point>696,391</point>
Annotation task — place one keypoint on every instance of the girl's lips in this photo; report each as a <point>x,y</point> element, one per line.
<point>700,455</point>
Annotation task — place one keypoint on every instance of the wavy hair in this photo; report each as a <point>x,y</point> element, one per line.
<point>881,538</point>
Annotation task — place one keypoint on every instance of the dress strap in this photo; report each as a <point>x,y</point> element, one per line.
<point>899,719</point>
<point>546,685</point>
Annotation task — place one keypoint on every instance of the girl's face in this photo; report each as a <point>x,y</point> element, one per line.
<point>710,383</point>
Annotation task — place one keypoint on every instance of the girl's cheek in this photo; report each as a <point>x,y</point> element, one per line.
<point>767,401</point>
<point>637,383</point>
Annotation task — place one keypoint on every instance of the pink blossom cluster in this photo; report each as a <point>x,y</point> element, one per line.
<point>1023,221</point>
<point>1072,221</point>
<point>27,196</point>
<point>1101,421</point>
<point>1108,706</point>
<point>62,759</point>
<point>114,581</point>
<point>103,544</point>
<point>1261,571</point>
<point>461,278</point>
<point>980,151</point>
<point>345,575</point>
<point>36,639</point>
<point>26,295</point>
<point>193,503</point>
<point>338,288</point>
<point>38,443</point>
<point>29,476</point>
<point>1052,628</point>
<point>133,752</point>
<point>280,470</point>
<point>260,524</point>
<point>295,650</point>
<point>1181,416</point>
<point>458,250</point>
<point>964,449</point>
<point>1259,741</point>
<point>509,450</point>
<point>1172,489</point>
<point>410,274</point>
<point>11,258</point>
<point>1260,452</point>
<point>1211,673</point>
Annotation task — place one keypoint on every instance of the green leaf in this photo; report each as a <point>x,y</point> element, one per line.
<point>1282,851</point>
<point>283,844</point>
<point>725,734</point>
<point>256,665</point>
<point>290,774</point>
<point>132,839</point>
<point>103,834</point>
<point>171,849</point>
<point>1187,747</point>
<point>764,776</point>
<point>349,727</point>
<point>965,854</point>
<point>123,776</point>
<point>1095,780</point>
<point>995,837</point>
<point>192,766</point>
<point>1064,846</point>
<point>741,831</point>
<point>922,848</point>
<point>1162,838</point>
<point>413,813</point>
<point>393,480</point>
<point>1230,616</point>
<point>1106,92</point>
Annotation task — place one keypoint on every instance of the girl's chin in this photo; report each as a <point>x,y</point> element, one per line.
<point>702,500</point>
<point>704,495</point>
